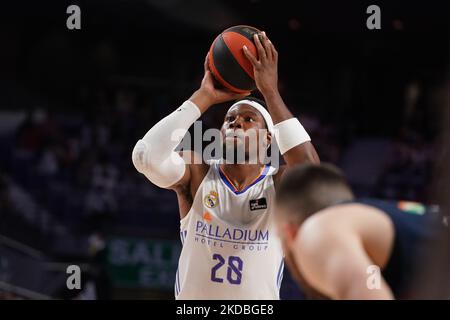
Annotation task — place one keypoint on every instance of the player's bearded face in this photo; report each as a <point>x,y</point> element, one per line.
<point>243,134</point>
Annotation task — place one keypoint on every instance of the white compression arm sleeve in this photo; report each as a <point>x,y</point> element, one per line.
<point>154,155</point>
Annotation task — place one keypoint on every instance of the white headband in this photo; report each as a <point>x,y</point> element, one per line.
<point>261,110</point>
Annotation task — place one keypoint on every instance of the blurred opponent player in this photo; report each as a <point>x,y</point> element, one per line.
<point>230,247</point>
<point>340,247</point>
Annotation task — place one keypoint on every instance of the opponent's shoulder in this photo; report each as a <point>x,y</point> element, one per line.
<point>344,221</point>
<point>319,230</point>
<point>332,222</point>
<point>348,213</point>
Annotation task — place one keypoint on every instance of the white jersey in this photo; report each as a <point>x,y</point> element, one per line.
<point>230,247</point>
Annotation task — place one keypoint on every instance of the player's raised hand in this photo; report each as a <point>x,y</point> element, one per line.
<point>265,67</point>
<point>208,94</point>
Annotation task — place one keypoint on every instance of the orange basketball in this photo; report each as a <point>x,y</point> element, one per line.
<point>227,61</point>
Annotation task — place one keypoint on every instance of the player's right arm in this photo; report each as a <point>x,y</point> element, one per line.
<point>154,155</point>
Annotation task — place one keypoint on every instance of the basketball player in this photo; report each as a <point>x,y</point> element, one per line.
<point>342,248</point>
<point>230,247</point>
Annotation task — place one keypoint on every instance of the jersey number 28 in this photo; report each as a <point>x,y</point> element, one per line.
<point>234,270</point>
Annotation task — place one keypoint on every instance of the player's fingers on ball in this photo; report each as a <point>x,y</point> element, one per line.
<point>265,43</point>
<point>273,54</point>
<point>250,56</point>
<point>205,64</point>
<point>270,50</point>
<point>209,78</point>
<point>259,47</point>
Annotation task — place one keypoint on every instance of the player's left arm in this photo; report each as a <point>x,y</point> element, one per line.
<point>293,140</point>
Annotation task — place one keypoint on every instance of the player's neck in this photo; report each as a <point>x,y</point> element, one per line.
<point>241,175</point>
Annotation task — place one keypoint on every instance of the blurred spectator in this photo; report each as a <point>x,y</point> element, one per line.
<point>408,168</point>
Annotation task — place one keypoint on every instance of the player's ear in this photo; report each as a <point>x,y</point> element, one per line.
<point>269,138</point>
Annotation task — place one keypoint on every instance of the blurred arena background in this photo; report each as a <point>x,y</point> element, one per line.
<point>74,102</point>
